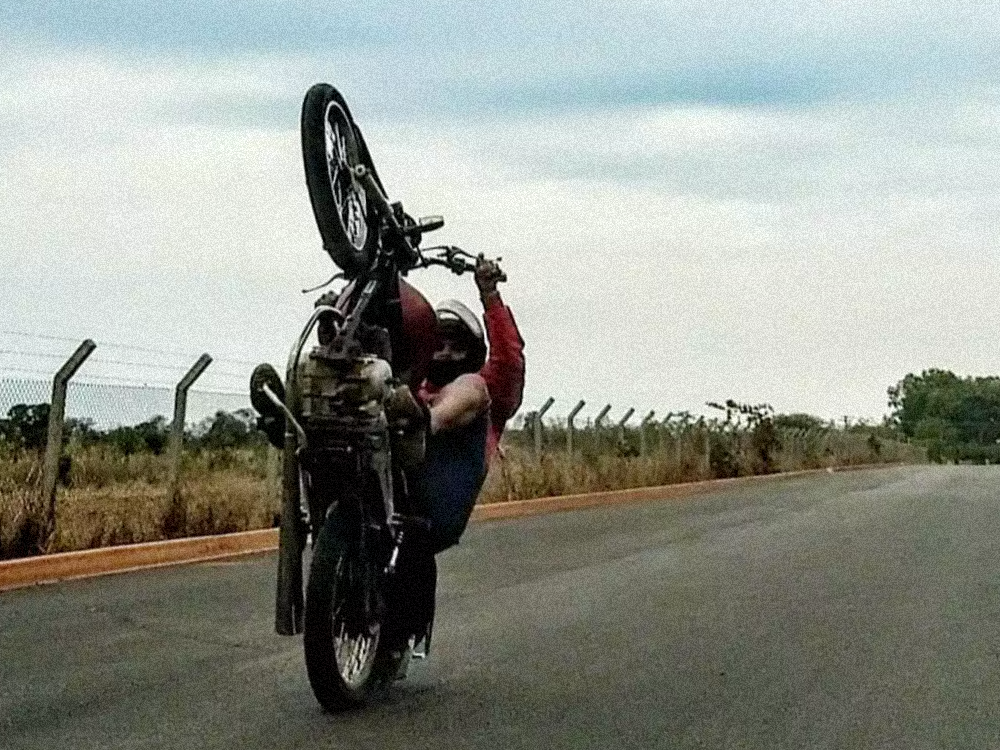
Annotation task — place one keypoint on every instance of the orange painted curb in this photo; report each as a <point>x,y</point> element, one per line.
<point>29,571</point>
<point>62,566</point>
<point>537,506</point>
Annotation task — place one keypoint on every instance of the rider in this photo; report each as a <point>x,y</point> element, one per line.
<point>469,397</point>
<point>463,405</point>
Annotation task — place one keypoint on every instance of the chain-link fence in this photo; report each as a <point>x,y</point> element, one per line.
<point>124,436</point>
<point>108,405</point>
<point>750,439</point>
<point>14,391</point>
<point>136,462</point>
<point>118,384</point>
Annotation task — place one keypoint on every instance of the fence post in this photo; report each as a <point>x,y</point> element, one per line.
<point>571,428</point>
<point>708,453</point>
<point>599,425</point>
<point>53,441</point>
<point>538,426</point>
<point>177,427</point>
<point>675,439</point>
<point>622,421</point>
<point>642,431</point>
<point>661,427</point>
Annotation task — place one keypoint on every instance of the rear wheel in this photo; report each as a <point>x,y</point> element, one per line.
<point>347,658</point>
<point>331,145</point>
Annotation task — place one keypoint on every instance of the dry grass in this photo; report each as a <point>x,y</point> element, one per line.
<point>114,499</point>
<point>519,476</point>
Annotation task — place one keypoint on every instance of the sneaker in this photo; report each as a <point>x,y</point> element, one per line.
<point>405,659</point>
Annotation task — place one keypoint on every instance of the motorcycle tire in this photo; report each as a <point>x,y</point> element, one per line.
<point>347,659</point>
<point>332,144</point>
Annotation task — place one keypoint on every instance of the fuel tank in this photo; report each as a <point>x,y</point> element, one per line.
<point>412,350</point>
<point>420,333</point>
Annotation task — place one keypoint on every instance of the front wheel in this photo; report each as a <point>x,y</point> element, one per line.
<point>332,145</point>
<point>347,658</point>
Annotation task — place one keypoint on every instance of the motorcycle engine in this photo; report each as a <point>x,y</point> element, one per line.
<point>337,390</point>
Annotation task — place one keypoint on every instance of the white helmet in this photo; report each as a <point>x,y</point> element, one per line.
<point>452,309</point>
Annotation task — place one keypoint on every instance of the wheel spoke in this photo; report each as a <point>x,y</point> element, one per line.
<point>348,196</point>
<point>354,646</point>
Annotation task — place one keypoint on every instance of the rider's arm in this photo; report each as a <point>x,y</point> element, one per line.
<point>504,370</point>
<point>458,403</point>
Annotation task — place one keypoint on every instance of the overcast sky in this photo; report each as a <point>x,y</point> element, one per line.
<point>793,203</point>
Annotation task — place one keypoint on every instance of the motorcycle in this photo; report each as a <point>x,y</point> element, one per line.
<point>347,464</point>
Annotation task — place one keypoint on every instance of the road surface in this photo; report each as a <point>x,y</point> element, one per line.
<point>848,610</point>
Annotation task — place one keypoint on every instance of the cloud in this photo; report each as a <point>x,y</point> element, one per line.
<point>693,203</point>
<point>921,147</point>
<point>547,56</point>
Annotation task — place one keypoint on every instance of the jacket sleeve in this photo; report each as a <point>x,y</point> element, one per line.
<point>504,369</point>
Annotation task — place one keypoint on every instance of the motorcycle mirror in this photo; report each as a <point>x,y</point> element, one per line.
<point>430,223</point>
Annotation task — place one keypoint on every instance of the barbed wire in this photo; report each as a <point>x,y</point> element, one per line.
<point>131,363</point>
<point>130,347</point>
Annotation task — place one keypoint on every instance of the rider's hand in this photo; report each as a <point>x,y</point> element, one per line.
<point>487,274</point>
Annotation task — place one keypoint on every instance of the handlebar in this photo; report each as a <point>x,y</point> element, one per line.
<point>451,257</point>
<point>455,259</point>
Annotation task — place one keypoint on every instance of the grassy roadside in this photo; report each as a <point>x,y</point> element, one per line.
<point>107,498</point>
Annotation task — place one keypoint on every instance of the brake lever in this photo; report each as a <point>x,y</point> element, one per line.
<point>454,260</point>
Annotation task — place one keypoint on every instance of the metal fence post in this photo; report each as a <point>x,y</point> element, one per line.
<point>599,424</point>
<point>53,441</point>
<point>675,439</point>
<point>571,428</point>
<point>642,431</point>
<point>622,421</point>
<point>708,453</point>
<point>538,426</point>
<point>177,427</point>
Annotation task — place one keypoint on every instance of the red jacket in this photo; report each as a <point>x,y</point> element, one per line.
<point>503,371</point>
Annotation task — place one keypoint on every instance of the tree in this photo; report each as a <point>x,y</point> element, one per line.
<point>933,393</point>
<point>798,421</point>
<point>228,430</point>
<point>155,433</point>
<point>82,432</point>
<point>150,436</point>
<point>951,415</point>
<point>26,425</point>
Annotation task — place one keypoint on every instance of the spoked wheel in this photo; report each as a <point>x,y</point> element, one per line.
<point>331,145</point>
<point>346,657</point>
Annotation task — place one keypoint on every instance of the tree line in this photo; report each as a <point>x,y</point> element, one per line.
<point>26,427</point>
<point>957,418</point>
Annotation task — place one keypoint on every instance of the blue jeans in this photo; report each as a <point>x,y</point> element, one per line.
<point>449,481</point>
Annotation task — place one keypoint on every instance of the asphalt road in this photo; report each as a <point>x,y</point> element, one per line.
<point>847,610</point>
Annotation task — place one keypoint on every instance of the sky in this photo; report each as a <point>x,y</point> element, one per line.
<point>794,203</point>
